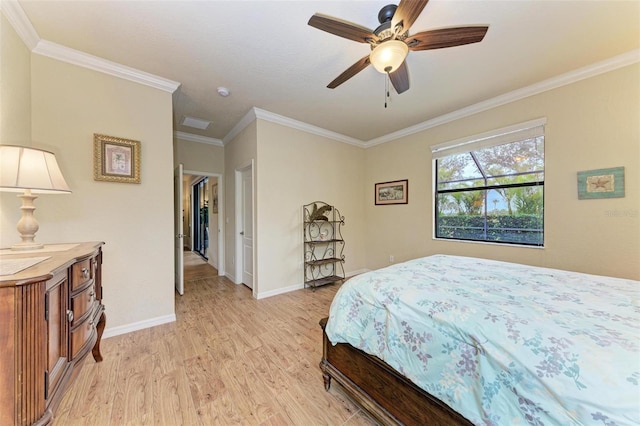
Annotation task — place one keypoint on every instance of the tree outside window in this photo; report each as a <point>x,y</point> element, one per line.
<point>492,194</point>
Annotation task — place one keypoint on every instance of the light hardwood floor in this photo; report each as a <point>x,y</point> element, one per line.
<point>228,359</point>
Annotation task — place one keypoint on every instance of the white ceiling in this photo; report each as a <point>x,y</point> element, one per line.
<point>268,57</point>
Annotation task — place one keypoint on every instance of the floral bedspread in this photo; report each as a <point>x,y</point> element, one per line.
<point>501,343</point>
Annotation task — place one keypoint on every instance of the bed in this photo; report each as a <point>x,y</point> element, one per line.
<point>459,340</point>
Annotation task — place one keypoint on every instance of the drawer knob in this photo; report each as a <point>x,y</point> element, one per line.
<point>69,315</point>
<point>85,272</point>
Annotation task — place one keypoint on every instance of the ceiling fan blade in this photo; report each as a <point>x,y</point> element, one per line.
<point>445,37</point>
<point>400,78</point>
<point>342,28</point>
<point>350,72</point>
<point>407,13</point>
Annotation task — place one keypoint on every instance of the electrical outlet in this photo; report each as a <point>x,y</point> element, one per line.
<point>391,259</point>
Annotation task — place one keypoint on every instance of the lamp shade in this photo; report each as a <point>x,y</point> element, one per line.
<point>389,55</point>
<point>29,168</point>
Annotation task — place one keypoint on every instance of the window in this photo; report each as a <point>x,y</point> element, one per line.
<point>491,187</point>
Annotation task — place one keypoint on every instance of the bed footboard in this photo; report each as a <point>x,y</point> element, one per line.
<point>387,395</point>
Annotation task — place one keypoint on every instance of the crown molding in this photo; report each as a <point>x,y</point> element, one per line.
<point>305,127</point>
<point>22,25</point>
<point>611,64</point>
<point>574,76</point>
<point>81,59</point>
<point>20,22</point>
<point>197,138</point>
<point>247,119</point>
<point>255,113</point>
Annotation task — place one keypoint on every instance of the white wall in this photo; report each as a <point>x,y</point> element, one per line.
<point>591,124</point>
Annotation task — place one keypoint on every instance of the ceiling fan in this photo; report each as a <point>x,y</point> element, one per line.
<point>391,42</point>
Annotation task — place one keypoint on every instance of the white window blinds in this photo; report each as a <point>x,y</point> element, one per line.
<point>515,133</point>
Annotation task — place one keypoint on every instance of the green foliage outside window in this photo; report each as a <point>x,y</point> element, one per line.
<point>492,194</point>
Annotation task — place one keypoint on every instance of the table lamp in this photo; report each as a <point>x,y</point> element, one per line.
<point>33,171</point>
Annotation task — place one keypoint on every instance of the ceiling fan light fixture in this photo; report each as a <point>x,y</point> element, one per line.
<point>388,56</point>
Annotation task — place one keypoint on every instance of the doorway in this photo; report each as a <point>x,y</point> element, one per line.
<point>200,217</point>
<point>215,252</point>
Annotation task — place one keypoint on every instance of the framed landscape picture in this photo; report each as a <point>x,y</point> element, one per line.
<point>116,159</point>
<point>395,192</point>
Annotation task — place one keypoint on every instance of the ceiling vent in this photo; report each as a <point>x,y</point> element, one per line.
<point>196,123</point>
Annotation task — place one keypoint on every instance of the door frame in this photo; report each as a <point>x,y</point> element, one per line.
<point>221,245</point>
<point>192,220</point>
<point>250,165</point>
<point>178,231</point>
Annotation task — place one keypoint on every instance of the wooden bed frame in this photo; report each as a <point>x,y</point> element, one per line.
<point>383,392</point>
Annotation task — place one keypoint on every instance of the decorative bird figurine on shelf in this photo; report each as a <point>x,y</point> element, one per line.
<point>318,213</point>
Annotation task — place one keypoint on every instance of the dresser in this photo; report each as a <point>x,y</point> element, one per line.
<point>51,317</point>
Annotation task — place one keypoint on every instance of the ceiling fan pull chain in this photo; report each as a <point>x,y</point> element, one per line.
<point>386,89</point>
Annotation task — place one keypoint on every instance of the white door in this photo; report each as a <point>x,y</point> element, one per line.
<point>247,228</point>
<point>178,229</point>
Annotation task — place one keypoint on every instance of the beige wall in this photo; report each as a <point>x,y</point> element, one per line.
<point>238,153</point>
<point>291,168</point>
<point>297,168</point>
<point>69,105</point>
<point>200,157</point>
<point>208,159</point>
<point>15,113</point>
<point>591,124</point>
<point>15,87</point>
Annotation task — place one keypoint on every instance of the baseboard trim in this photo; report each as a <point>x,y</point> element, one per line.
<point>140,325</point>
<point>277,291</point>
<point>358,272</point>
<point>295,287</point>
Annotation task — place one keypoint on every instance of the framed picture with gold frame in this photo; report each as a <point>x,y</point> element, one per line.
<point>116,159</point>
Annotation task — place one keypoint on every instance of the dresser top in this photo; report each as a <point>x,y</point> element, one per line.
<point>23,267</point>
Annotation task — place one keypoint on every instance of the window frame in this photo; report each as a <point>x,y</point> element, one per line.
<point>512,134</point>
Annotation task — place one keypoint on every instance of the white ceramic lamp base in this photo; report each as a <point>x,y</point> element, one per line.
<point>27,225</point>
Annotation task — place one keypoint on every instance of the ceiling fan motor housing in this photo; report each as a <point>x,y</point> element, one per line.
<point>386,13</point>
<point>384,30</point>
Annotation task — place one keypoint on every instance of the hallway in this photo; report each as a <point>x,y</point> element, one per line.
<point>228,359</point>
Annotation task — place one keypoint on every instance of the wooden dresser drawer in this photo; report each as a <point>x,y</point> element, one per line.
<point>51,318</point>
<point>81,335</point>
<point>82,273</point>
<point>82,304</point>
